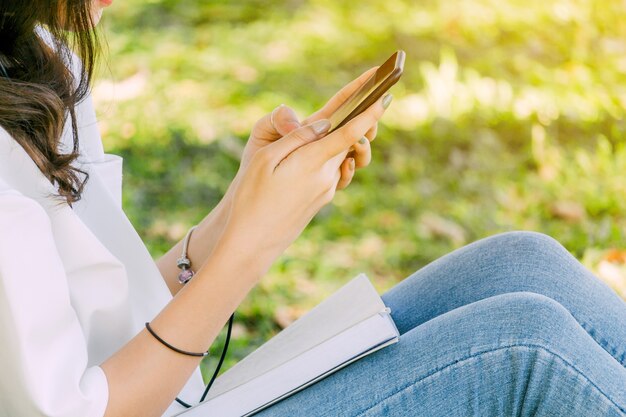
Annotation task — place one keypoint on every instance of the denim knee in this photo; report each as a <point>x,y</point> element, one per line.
<point>526,347</point>
<point>526,256</point>
<point>532,319</point>
<point>525,242</point>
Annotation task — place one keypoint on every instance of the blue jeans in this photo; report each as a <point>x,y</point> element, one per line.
<point>511,325</point>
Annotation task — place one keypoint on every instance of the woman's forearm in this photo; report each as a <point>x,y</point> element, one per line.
<point>201,244</point>
<point>145,376</point>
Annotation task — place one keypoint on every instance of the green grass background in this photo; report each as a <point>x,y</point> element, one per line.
<point>510,115</point>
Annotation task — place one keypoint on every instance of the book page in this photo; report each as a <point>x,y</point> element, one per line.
<point>364,338</point>
<point>351,304</point>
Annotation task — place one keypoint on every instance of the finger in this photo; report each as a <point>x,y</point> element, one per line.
<point>281,148</point>
<point>347,172</point>
<point>343,138</point>
<point>280,122</point>
<point>285,120</point>
<point>340,97</point>
<point>330,194</point>
<point>362,153</point>
<point>371,134</point>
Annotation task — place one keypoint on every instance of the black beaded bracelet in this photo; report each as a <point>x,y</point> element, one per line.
<point>184,352</point>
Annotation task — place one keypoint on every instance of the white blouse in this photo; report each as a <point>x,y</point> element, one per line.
<point>76,283</point>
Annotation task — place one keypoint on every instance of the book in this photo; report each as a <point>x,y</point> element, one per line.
<point>348,325</point>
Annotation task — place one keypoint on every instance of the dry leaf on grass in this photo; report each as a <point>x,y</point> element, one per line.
<point>571,211</point>
<point>616,256</point>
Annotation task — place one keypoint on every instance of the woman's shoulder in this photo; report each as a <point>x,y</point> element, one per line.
<point>9,195</point>
<point>14,204</point>
<point>19,214</point>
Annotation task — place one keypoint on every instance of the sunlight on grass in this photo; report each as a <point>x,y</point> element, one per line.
<point>510,115</point>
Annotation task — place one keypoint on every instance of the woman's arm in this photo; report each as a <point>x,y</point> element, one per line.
<point>145,376</point>
<point>283,187</point>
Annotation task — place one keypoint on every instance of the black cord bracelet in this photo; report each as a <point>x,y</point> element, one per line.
<point>184,352</point>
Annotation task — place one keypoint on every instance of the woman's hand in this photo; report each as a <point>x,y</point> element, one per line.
<point>360,151</point>
<point>286,182</point>
<point>285,121</point>
<point>264,133</point>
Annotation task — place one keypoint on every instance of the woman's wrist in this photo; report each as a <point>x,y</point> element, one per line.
<point>200,245</point>
<point>246,248</point>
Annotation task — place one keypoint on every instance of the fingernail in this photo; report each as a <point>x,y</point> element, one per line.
<point>351,164</point>
<point>387,100</point>
<point>363,140</point>
<point>321,126</point>
<point>292,124</point>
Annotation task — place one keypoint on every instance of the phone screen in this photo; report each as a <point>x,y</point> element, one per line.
<point>375,86</point>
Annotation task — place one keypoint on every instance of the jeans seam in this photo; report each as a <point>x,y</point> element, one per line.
<point>608,347</point>
<point>528,345</point>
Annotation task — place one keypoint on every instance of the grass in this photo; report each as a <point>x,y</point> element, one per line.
<point>510,116</point>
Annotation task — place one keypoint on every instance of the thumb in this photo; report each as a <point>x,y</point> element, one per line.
<point>281,148</point>
<point>285,120</point>
<point>276,124</point>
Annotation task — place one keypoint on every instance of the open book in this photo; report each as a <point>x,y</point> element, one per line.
<point>350,324</point>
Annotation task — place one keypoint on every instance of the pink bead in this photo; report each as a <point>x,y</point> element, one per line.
<point>185,275</point>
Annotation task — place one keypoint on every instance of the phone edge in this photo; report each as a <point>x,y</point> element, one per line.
<point>386,85</point>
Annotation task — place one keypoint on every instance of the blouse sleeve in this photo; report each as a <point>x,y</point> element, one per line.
<point>43,362</point>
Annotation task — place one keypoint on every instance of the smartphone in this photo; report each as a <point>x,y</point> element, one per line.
<point>385,76</point>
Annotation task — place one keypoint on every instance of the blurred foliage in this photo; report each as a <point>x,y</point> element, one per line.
<point>510,115</point>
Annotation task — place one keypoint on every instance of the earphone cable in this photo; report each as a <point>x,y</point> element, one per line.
<point>219,364</point>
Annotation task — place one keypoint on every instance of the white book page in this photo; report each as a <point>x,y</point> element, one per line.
<point>324,359</point>
<point>351,304</point>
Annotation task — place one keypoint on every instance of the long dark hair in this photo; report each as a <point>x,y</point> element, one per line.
<point>38,90</point>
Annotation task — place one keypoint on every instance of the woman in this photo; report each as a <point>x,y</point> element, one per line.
<point>508,325</point>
